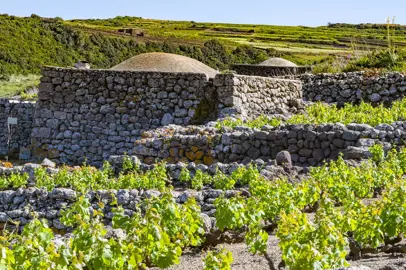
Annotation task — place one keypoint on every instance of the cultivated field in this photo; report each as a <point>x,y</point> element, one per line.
<point>270,178</point>
<point>130,215</point>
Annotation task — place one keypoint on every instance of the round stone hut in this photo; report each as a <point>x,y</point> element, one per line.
<point>277,62</point>
<point>272,67</point>
<point>165,62</point>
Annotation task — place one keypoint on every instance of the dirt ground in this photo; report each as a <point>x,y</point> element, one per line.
<point>243,260</point>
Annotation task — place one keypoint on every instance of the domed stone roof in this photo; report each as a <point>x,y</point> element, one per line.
<point>165,62</point>
<point>278,62</point>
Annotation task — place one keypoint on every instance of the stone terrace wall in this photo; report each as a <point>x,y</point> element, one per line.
<point>269,71</point>
<point>48,205</point>
<point>94,114</point>
<point>307,144</point>
<point>251,96</point>
<point>354,87</point>
<point>98,113</point>
<point>20,133</point>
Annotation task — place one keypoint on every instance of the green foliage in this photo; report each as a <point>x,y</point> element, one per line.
<point>393,213</point>
<point>219,259</point>
<point>89,178</point>
<point>321,113</point>
<point>378,154</point>
<point>258,122</point>
<point>165,228</point>
<point>34,248</point>
<point>14,85</point>
<point>385,59</point>
<point>241,176</point>
<point>322,244</point>
<point>128,165</point>
<point>363,113</point>
<point>222,181</point>
<point>272,197</point>
<point>200,179</point>
<point>244,175</point>
<point>256,239</point>
<point>230,213</point>
<point>15,180</point>
<point>62,43</point>
<point>306,245</point>
<point>25,96</point>
<point>161,228</point>
<point>184,175</point>
<point>155,238</point>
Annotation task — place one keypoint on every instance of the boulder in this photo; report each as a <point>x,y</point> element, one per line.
<point>352,152</point>
<point>48,163</point>
<point>283,158</point>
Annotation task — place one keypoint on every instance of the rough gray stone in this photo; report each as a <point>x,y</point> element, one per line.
<point>48,163</point>
<point>375,97</point>
<point>167,119</point>
<point>350,135</point>
<point>283,158</point>
<point>63,194</point>
<point>353,152</point>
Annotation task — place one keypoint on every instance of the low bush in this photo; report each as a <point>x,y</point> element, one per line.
<point>321,113</point>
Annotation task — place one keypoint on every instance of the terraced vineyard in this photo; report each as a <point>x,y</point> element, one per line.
<point>186,168</point>
<point>331,38</point>
<point>162,224</point>
<point>107,43</point>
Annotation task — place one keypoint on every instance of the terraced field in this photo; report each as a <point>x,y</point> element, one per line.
<point>335,38</point>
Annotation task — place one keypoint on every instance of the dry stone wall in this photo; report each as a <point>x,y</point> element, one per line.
<point>19,135</point>
<point>93,114</point>
<point>21,204</point>
<point>98,113</point>
<point>269,71</point>
<point>251,96</point>
<point>309,145</point>
<point>354,87</point>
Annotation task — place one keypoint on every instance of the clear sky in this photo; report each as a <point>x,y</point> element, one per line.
<point>275,12</point>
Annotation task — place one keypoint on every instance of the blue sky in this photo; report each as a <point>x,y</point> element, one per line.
<point>279,12</point>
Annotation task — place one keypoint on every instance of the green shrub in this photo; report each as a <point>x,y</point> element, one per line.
<point>387,59</point>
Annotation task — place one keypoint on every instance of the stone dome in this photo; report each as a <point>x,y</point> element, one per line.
<point>278,62</point>
<point>165,62</point>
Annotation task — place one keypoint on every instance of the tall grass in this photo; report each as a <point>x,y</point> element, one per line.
<point>16,84</point>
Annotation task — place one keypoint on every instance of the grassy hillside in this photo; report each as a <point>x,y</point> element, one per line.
<point>331,38</point>
<point>15,84</point>
<point>28,43</point>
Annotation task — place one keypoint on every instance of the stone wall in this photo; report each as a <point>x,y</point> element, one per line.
<point>97,113</point>
<point>269,71</point>
<point>21,204</point>
<point>307,144</point>
<point>92,114</point>
<point>20,134</point>
<point>354,87</point>
<point>251,96</point>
